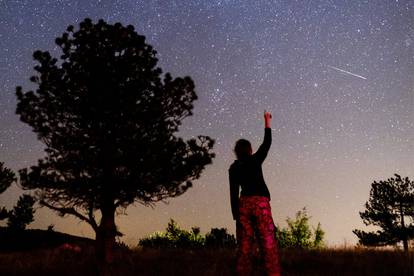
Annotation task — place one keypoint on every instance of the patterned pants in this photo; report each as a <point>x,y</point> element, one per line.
<point>255,216</point>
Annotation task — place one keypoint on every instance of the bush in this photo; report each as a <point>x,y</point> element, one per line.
<point>219,238</point>
<point>298,234</point>
<point>175,237</point>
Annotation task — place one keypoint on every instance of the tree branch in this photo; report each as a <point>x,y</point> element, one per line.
<point>92,220</point>
<point>71,211</point>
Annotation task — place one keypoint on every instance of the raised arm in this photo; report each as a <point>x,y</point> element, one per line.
<point>261,153</point>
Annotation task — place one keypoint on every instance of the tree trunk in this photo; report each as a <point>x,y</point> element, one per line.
<point>405,243</point>
<point>105,240</point>
<point>404,229</point>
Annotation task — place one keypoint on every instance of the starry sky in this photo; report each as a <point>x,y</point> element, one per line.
<point>338,77</point>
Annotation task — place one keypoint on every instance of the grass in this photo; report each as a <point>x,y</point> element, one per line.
<point>207,262</point>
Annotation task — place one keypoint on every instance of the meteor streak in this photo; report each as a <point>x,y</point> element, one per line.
<point>347,72</point>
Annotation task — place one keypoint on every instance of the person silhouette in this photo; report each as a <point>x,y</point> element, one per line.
<point>251,210</point>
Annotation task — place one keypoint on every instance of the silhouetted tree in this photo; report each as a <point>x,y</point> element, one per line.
<point>7,177</point>
<point>390,207</point>
<point>23,213</point>
<point>107,118</point>
<point>319,234</point>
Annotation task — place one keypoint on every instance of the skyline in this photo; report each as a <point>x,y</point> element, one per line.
<point>333,133</point>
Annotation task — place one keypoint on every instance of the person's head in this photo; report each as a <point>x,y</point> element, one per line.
<point>243,148</point>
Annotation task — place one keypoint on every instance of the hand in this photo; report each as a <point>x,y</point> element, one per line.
<point>268,119</point>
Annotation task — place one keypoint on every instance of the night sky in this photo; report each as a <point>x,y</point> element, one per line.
<point>338,77</point>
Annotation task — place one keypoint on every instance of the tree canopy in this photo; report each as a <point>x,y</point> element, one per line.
<point>391,208</point>
<point>108,118</point>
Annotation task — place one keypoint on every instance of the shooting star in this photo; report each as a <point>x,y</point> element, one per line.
<point>347,72</point>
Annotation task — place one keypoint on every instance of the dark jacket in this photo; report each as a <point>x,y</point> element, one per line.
<point>247,174</point>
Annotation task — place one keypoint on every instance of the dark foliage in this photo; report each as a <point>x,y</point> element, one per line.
<point>7,177</point>
<point>219,238</point>
<point>176,237</point>
<point>108,117</point>
<point>22,214</point>
<point>3,213</point>
<point>391,208</point>
<point>298,233</point>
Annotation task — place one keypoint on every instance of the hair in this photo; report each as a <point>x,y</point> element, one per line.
<point>243,148</point>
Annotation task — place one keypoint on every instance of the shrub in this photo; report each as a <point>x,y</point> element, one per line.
<point>219,238</point>
<point>176,237</point>
<point>298,234</point>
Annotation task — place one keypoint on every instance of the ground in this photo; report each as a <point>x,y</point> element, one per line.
<point>78,259</point>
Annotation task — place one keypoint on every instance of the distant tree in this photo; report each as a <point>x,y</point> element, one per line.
<point>7,177</point>
<point>23,213</point>
<point>319,234</point>
<point>390,207</point>
<point>298,234</point>
<point>107,118</point>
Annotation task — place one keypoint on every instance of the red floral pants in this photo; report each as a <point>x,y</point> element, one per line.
<point>255,216</point>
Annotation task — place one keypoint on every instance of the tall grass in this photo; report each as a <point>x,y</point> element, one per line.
<point>208,262</point>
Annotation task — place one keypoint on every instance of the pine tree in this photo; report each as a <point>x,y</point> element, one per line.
<point>391,208</point>
<point>22,214</point>
<point>108,119</point>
